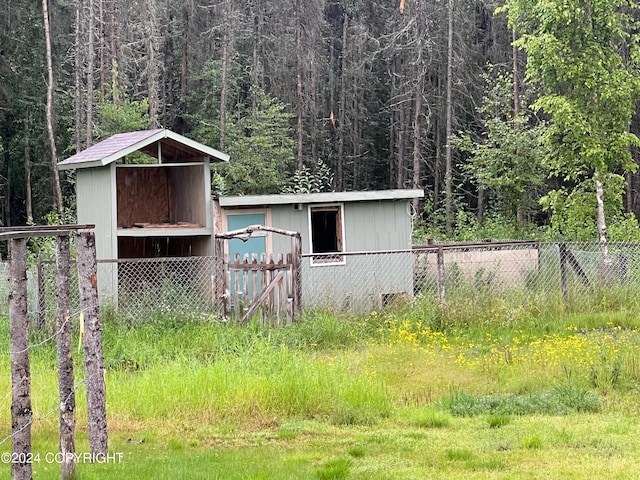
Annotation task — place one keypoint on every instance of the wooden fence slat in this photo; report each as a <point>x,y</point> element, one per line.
<point>21,414</point>
<point>65,360</point>
<point>93,354</point>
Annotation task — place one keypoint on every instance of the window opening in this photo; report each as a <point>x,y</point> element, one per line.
<point>326,233</point>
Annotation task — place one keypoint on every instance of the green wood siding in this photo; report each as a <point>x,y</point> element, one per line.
<point>95,190</point>
<point>369,226</point>
<point>96,204</point>
<point>360,283</point>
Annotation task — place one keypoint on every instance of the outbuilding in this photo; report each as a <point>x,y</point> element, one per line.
<point>148,193</point>
<point>355,245</point>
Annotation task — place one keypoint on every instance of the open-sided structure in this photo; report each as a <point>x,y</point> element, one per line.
<point>148,193</point>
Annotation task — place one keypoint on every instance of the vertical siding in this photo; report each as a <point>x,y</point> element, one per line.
<point>288,218</point>
<point>96,204</point>
<point>95,191</point>
<point>369,226</point>
<point>382,225</point>
<point>361,282</point>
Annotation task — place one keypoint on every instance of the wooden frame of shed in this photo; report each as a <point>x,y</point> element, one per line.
<point>148,193</point>
<point>332,225</point>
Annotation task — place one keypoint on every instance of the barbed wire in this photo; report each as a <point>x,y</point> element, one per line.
<point>58,408</point>
<point>54,335</point>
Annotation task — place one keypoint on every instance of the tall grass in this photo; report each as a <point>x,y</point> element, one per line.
<point>500,354</point>
<point>261,383</point>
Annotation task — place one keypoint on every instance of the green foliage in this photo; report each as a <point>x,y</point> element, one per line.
<point>589,89</point>
<point>306,180</point>
<point>506,158</point>
<point>497,421</point>
<point>334,469</point>
<point>467,228</point>
<point>573,212</point>
<point>431,418</point>
<point>261,145</point>
<point>259,136</point>
<point>44,248</point>
<point>126,116</point>
<point>561,400</point>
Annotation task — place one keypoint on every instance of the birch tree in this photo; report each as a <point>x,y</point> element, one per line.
<point>573,49</point>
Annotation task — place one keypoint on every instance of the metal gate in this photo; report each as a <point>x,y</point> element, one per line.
<point>259,283</point>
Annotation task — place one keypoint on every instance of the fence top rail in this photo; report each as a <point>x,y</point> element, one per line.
<point>29,231</point>
<point>488,245</point>
<point>193,258</point>
<point>247,231</point>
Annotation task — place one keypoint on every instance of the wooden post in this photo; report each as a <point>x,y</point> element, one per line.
<point>562,252</point>
<point>93,359</point>
<point>21,414</point>
<point>220,279</point>
<point>296,262</point>
<point>65,360</point>
<point>42,300</point>
<point>440,276</point>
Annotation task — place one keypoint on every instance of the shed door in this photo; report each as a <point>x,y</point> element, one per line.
<point>257,244</point>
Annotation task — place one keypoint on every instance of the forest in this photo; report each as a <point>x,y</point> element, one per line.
<point>518,118</point>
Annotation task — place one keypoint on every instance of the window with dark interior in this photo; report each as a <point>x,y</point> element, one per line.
<point>326,233</point>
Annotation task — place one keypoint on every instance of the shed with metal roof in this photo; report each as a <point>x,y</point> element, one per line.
<point>148,193</point>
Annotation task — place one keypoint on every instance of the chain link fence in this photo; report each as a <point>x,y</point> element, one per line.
<point>359,281</point>
<point>566,272</point>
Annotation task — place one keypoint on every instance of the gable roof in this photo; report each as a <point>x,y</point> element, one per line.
<point>323,197</point>
<point>163,144</point>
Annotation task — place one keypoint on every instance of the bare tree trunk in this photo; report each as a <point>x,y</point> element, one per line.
<point>602,224</point>
<point>299,98</point>
<point>113,41</point>
<point>448,173</point>
<point>629,192</point>
<point>21,414</point>
<point>224,73</point>
<point>93,357</point>
<point>27,168</point>
<point>185,55</point>
<point>102,48</point>
<point>313,112</point>
<point>152,62</point>
<point>78,77</point>
<point>342,106</point>
<point>401,174</point>
<point>417,137</point>
<point>418,93</point>
<point>57,191</point>
<point>437,168</point>
<point>90,68</point>
<point>516,78</point>
<point>516,111</point>
<point>65,360</point>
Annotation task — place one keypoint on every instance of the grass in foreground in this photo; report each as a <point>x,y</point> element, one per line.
<point>389,395</point>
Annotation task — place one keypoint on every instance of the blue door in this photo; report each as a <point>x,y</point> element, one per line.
<point>254,245</point>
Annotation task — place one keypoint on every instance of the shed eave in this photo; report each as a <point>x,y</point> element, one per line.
<point>73,166</point>
<point>324,197</point>
<point>155,136</point>
<point>215,155</point>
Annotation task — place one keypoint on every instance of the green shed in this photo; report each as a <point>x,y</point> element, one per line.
<point>148,194</point>
<point>355,245</point>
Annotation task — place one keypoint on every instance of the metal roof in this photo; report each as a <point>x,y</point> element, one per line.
<point>162,144</point>
<point>324,197</point>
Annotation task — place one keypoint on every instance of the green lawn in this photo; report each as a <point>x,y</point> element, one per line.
<point>390,395</point>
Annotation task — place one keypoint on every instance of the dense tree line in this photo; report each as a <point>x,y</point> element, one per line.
<point>451,96</point>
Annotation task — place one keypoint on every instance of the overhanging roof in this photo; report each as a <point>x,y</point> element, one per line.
<point>324,197</point>
<point>162,144</point>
